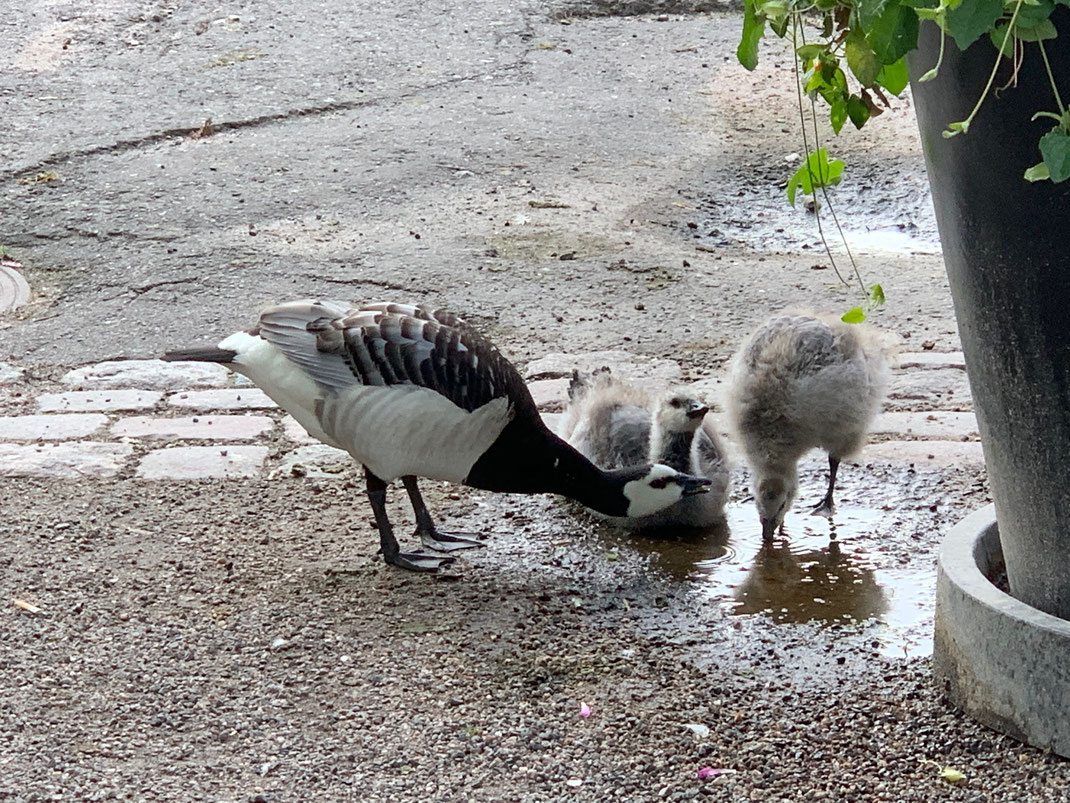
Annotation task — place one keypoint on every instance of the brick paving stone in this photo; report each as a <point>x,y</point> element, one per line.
<point>943,388</point>
<point>932,359</point>
<point>9,373</point>
<point>650,372</point>
<point>50,427</point>
<point>70,460</point>
<point>202,462</point>
<point>222,399</point>
<point>148,375</point>
<point>549,394</point>
<point>934,424</point>
<point>207,427</point>
<point>925,454</point>
<point>316,460</point>
<point>99,401</point>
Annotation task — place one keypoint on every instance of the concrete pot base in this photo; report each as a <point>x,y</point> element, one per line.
<point>1004,663</point>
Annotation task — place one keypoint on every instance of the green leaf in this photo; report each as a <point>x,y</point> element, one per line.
<point>1055,148</point>
<point>869,11</point>
<point>808,52</point>
<point>793,185</point>
<point>753,30</point>
<point>970,19</point>
<point>894,33</point>
<point>856,315</point>
<point>838,113</point>
<point>1035,32</point>
<point>954,129</point>
<point>1038,172</point>
<point>1000,41</point>
<point>876,295</point>
<point>857,110</point>
<point>894,77</point>
<point>861,59</point>
<point>1031,13</point>
<point>816,172</point>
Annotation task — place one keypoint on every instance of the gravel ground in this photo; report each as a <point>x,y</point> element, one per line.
<point>240,641</point>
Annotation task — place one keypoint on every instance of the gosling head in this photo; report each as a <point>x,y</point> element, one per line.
<point>774,495</point>
<point>649,489</point>
<point>680,412</point>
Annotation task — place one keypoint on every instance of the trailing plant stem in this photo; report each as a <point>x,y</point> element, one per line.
<point>965,124</point>
<point>1051,77</point>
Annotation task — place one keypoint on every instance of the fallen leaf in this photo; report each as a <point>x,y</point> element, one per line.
<point>697,728</point>
<point>27,606</point>
<point>548,204</point>
<point>949,774</point>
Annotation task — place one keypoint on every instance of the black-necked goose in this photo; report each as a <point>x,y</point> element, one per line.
<point>614,423</point>
<point>799,382</point>
<point>413,392</point>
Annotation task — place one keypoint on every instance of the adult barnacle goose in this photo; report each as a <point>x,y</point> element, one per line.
<point>617,424</point>
<point>802,381</point>
<point>413,392</point>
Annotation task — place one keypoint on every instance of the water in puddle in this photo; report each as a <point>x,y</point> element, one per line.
<point>816,573</point>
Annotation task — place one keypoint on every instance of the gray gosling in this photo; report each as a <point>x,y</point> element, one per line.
<point>616,424</point>
<point>802,381</point>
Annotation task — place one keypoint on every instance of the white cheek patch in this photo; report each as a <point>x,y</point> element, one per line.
<point>644,500</point>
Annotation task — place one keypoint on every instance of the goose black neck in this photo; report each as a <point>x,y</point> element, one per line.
<point>528,458</point>
<point>675,451</point>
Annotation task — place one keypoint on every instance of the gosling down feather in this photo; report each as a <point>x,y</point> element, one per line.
<point>413,392</point>
<point>617,424</point>
<point>797,383</point>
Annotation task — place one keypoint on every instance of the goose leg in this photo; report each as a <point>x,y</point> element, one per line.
<point>826,507</point>
<point>388,544</point>
<point>432,537</point>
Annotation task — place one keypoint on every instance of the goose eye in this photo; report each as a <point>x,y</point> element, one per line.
<point>675,403</point>
<point>659,483</point>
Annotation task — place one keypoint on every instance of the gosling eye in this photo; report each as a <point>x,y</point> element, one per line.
<point>676,403</point>
<point>659,483</point>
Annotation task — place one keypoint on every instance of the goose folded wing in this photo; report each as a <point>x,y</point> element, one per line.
<point>394,344</point>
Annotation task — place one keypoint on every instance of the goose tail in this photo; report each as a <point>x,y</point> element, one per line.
<point>209,354</point>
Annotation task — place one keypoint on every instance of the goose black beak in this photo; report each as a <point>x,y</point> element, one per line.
<point>699,411</point>
<point>768,529</point>
<point>690,486</point>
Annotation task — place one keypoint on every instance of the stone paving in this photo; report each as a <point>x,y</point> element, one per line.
<point>153,420</point>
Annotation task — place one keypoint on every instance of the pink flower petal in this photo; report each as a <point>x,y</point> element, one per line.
<point>585,710</point>
<point>712,772</point>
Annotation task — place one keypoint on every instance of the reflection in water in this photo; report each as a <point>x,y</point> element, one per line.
<point>817,585</point>
<point>677,552</point>
<point>819,574</point>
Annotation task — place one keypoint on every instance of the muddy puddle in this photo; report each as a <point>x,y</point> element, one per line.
<point>880,211</point>
<point>820,573</point>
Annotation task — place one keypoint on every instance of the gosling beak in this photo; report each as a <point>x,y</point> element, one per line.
<point>689,486</point>
<point>696,410</point>
<point>768,528</point>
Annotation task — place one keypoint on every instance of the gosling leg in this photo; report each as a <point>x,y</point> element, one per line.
<point>826,507</point>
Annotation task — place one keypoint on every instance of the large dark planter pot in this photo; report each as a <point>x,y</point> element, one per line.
<point>1006,247</point>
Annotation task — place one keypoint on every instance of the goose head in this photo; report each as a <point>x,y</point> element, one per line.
<point>774,493</point>
<point>650,489</point>
<point>680,412</point>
